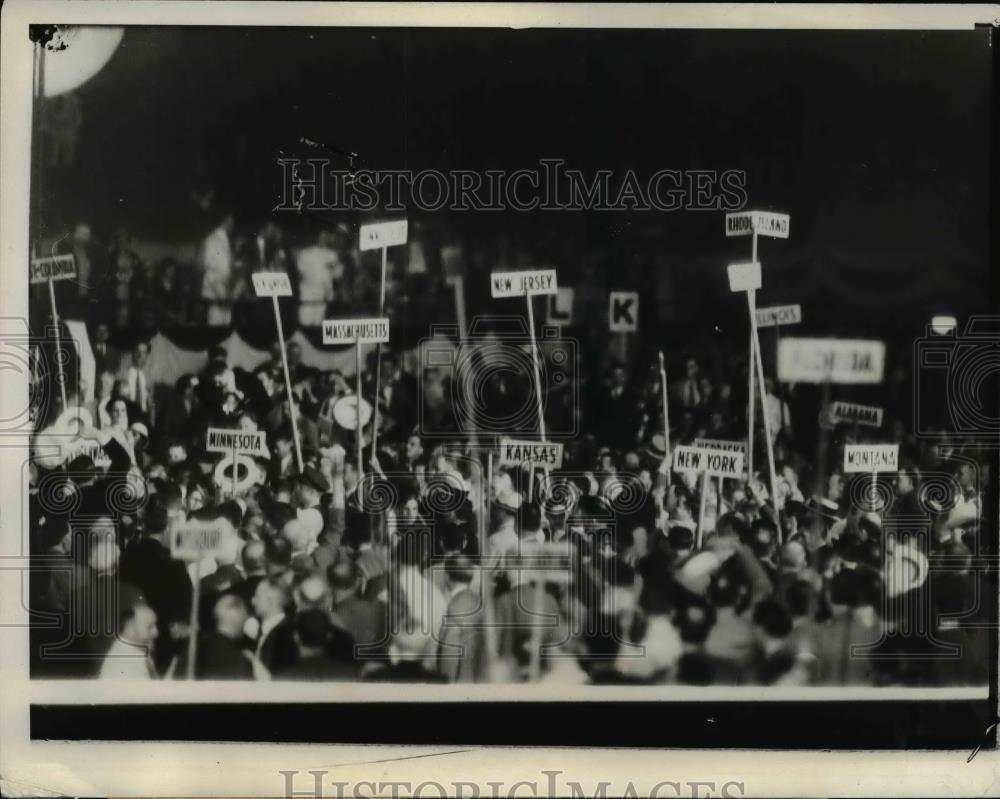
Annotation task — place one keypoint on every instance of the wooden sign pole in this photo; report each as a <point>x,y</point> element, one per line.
<point>763,406</point>
<point>288,384</point>
<point>751,402</point>
<point>666,414</point>
<point>193,621</point>
<point>357,405</point>
<point>378,357</point>
<point>538,389</point>
<point>701,510</point>
<point>55,326</point>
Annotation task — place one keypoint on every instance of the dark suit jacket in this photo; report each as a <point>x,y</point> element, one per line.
<point>279,650</point>
<point>320,668</point>
<point>405,671</point>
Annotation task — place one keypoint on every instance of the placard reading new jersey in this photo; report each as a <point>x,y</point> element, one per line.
<point>623,311</point>
<point>194,540</point>
<point>348,331</point>
<point>517,284</point>
<point>779,315</point>
<point>867,415</point>
<point>536,453</point>
<point>271,284</point>
<point>717,462</point>
<point>871,458</point>
<point>818,360</point>
<point>721,445</point>
<point>744,277</point>
<point>383,234</point>
<point>58,267</point>
<point>221,439</point>
<point>766,223</point>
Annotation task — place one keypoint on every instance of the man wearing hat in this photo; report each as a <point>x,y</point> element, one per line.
<point>310,486</point>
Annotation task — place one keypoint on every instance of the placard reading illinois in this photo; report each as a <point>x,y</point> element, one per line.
<point>220,439</point>
<point>779,315</point>
<point>716,462</point>
<point>348,331</point>
<point>58,267</point>
<point>817,360</point>
<point>271,284</point>
<point>871,458</point>
<point>536,453</point>
<point>517,284</point>
<point>383,234</point>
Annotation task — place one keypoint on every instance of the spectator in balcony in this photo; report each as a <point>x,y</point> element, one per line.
<point>318,267</point>
<point>216,260</point>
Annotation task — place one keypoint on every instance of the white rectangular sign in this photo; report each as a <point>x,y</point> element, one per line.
<point>383,234</point>
<point>721,445</point>
<point>58,267</point>
<point>536,453</point>
<point>744,277</point>
<point>271,284</point>
<point>348,331</point>
<point>818,360</point>
<point>779,315</point>
<point>851,412</point>
<point>871,458</point>
<point>766,223</point>
<point>623,311</point>
<point>193,540</point>
<point>720,463</point>
<point>221,439</point>
<point>517,284</point>
<point>559,308</point>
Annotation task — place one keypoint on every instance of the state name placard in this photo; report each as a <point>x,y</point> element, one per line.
<point>193,540</point>
<point>271,284</point>
<point>744,277</point>
<point>716,462</point>
<point>871,458</point>
<point>765,223</point>
<point>221,439</point>
<point>559,308</point>
<point>383,234</point>
<point>623,311</point>
<point>58,267</point>
<point>535,453</point>
<point>721,445</point>
<point>779,315</point>
<point>518,284</point>
<point>867,415</point>
<point>818,360</point>
<point>349,331</point>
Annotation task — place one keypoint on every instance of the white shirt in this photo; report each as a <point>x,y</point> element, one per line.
<point>126,661</point>
<point>137,386</point>
<point>318,267</point>
<point>266,626</point>
<point>217,260</point>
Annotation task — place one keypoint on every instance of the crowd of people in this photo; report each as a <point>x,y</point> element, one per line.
<point>430,562</point>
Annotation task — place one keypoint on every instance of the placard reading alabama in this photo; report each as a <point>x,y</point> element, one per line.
<point>514,453</point>
<point>271,284</point>
<point>58,267</point>
<point>220,439</point>
<point>867,415</point>
<point>517,284</point>
<point>715,462</point>
<point>347,331</point>
<point>871,458</point>
<point>383,234</point>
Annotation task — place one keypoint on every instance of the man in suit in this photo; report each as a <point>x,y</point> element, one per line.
<point>137,382</point>
<point>407,650</point>
<point>182,415</point>
<point>364,619</point>
<point>276,647</point>
<point>324,651</point>
<point>106,357</point>
<point>461,650</point>
<point>224,653</point>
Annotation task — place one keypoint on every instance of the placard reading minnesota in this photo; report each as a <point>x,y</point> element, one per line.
<point>220,439</point>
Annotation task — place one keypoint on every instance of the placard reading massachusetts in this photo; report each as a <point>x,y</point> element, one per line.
<point>363,331</point>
